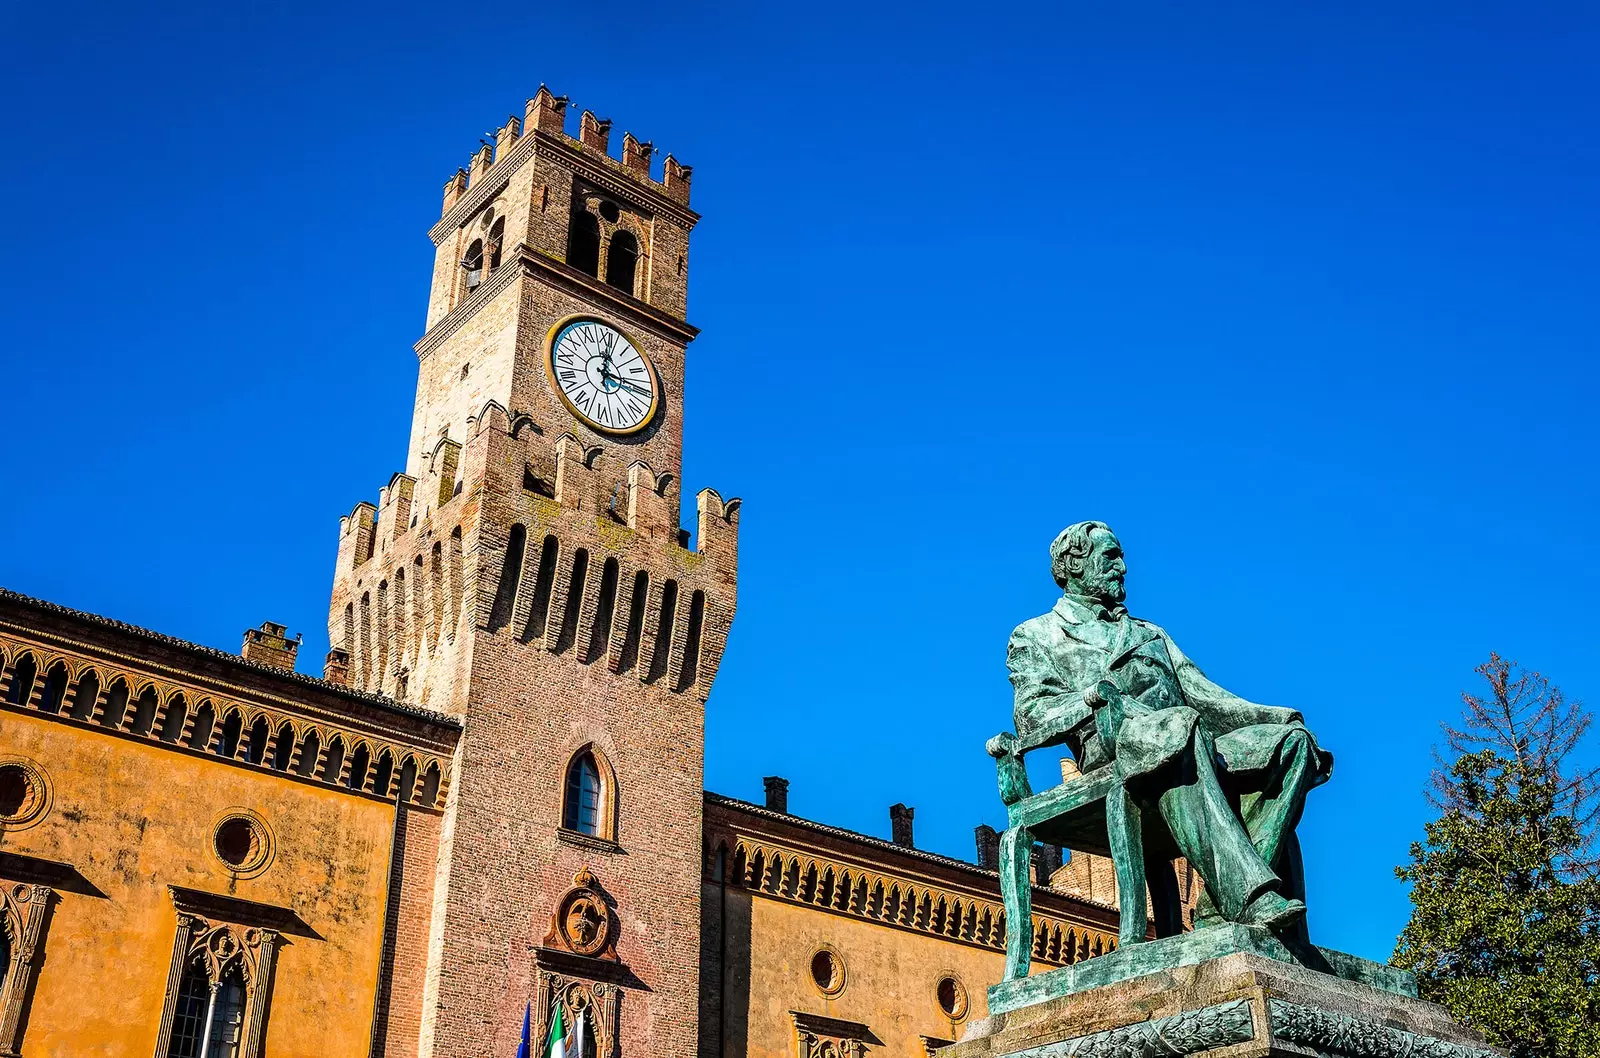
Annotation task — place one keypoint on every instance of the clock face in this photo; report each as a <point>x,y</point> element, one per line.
<point>602,376</point>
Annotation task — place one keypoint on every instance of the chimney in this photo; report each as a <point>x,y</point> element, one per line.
<point>336,667</point>
<point>900,825</point>
<point>777,793</point>
<point>988,846</point>
<point>269,645</point>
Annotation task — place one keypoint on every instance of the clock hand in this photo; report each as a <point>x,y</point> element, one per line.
<point>624,383</point>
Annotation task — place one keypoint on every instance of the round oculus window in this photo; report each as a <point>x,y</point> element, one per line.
<point>24,793</point>
<point>827,972</point>
<point>952,997</point>
<point>243,843</point>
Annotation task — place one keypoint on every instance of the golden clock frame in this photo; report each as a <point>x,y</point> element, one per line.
<point>577,413</point>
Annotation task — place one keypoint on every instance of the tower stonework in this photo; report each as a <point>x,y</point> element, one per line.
<point>527,574</point>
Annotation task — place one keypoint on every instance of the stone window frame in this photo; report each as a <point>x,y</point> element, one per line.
<point>222,946</point>
<point>605,835</point>
<point>820,1036</point>
<point>24,912</point>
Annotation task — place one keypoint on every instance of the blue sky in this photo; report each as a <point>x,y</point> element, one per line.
<point>1302,302</point>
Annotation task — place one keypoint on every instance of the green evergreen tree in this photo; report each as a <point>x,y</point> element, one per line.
<point>1505,893</point>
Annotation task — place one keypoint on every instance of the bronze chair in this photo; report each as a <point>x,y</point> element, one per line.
<point>1091,813</point>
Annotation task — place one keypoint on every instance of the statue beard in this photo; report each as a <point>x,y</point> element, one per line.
<point>1107,590</point>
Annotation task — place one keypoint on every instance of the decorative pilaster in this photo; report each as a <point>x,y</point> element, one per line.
<point>26,908</point>
<point>260,986</point>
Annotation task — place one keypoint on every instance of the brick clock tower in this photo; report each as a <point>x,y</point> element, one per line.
<point>527,574</point>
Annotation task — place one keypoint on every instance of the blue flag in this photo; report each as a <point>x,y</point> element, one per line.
<point>527,1026</point>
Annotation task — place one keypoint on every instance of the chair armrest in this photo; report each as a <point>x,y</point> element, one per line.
<point>1007,752</point>
<point>1106,703</point>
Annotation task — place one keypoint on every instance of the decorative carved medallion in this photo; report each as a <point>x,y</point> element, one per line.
<point>582,923</point>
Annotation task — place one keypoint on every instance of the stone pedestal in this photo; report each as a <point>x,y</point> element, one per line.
<point>1227,992</point>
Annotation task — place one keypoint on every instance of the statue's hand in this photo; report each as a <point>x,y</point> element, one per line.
<point>1002,745</point>
<point>1101,694</point>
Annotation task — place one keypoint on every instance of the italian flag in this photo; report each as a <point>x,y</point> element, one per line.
<point>556,1045</point>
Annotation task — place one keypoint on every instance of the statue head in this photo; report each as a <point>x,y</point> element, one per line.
<point>1086,559</point>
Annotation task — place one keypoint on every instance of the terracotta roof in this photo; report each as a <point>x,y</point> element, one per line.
<point>887,846</point>
<point>378,700</point>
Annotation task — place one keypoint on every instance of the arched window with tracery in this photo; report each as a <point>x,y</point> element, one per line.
<point>580,810</point>
<point>218,985</point>
<point>622,258</point>
<point>200,1007</point>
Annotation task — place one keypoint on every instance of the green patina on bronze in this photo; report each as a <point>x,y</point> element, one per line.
<point>1173,765</point>
<point>1192,949</point>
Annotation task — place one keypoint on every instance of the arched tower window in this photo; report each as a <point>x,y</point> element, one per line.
<point>492,251</point>
<point>472,266</point>
<point>583,242</point>
<point>621,260</point>
<point>580,809</point>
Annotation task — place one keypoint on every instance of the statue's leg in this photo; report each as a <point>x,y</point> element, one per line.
<point>1208,833</point>
<point>1165,905</point>
<point>1016,889</point>
<point>1272,812</point>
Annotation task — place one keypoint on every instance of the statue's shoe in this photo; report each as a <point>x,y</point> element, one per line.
<point>1274,912</point>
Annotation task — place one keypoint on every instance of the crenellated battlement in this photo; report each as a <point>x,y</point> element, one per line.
<point>546,113</point>
<point>459,548</point>
<point>578,478</point>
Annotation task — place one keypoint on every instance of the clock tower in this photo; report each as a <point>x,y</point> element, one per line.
<point>527,574</point>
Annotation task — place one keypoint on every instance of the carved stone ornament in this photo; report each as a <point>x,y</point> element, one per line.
<point>599,1000</point>
<point>1329,1032</point>
<point>23,910</point>
<point>223,948</point>
<point>1190,1032</point>
<point>582,923</point>
<point>819,1036</point>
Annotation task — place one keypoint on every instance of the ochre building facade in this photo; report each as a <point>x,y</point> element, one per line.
<point>491,806</point>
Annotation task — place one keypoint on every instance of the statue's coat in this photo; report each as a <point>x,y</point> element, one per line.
<point>1054,658</point>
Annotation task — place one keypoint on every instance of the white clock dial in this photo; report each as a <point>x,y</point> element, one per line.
<point>602,376</point>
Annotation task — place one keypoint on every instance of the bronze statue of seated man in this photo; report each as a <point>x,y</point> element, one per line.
<point>1228,777</point>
